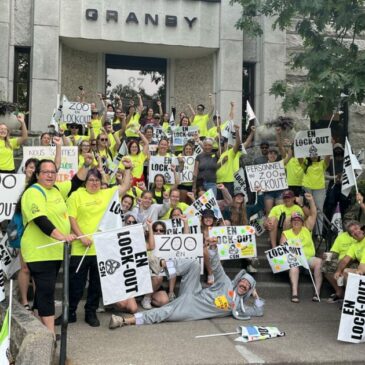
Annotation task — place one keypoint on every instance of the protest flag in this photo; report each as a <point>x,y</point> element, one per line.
<point>250,115</point>
<point>350,167</point>
<point>336,221</point>
<point>172,120</point>
<point>5,340</point>
<point>54,122</point>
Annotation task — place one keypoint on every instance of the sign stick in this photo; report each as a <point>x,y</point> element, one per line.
<point>84,235</point>
<point>10,308</point>
<point>314,285</point>
<point>82,259</point>
<point>218,334</point>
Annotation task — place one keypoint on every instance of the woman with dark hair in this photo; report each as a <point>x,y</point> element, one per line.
<point>46,220</point>
<point>45,139</point>
<point>158,188</point>
<point>138,157</point>
<point>86,208</point>
<point>8,145</point>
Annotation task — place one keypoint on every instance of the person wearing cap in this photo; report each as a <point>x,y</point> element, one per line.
<point>301,235</point>
<point>74,137</point>
<point>284,210</point>
<point>200,119</point>
<point>226,297</point>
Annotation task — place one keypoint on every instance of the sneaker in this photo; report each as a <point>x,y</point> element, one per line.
<point>92,320</point>
<point>172,297</point>
<point>116,321</point>
<point>71,319</point>
<point>250,269</point>
<point>146,302</point>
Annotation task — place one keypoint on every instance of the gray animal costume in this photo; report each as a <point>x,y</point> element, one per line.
<point>194,302</point>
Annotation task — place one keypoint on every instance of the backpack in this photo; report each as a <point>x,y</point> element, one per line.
<point>16,228</point>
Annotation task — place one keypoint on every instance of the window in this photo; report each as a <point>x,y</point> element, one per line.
<point>21,78</point>
<point>127,76</point>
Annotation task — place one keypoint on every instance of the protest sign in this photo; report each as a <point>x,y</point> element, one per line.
<point>9,258</point>
<point>235,242</point>
<point>123,264</point>
<point>186,175</point>
<point>182,246</point>
<point>176,226</point>
<point>351,167</point>
<point>113,216</point>
<point>162,165</point>
<point>352,324</point>
<point>11,187</point>
<point>69,158</point>
<point>153,149</point>
<point>240,182</point>
<point>198,149</point>
<point>257,221</point>
<point>75,112</point>
<point>206,201</point>
<point>257,333</point>
<point>267,177</point>
<point>313,143</point>
<point>157,134</point>
<point>180,135</point>
<point>283,258</point>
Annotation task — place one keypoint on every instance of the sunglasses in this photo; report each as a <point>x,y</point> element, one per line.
<point>103,139</point>
<point>93,144</point>
<point>131,222</point>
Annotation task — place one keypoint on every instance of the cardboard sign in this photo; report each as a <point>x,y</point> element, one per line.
<point>240,182</point>
<point>69,159</point>
<point>11,187</point>
<point>180,135</point>
<point>186,175</point>
<point>123,264</point>
<point>182,246</point>
<point>162,165</point>
<point>285,257</point>
<point>206,201</point>
<point>9,258</point>
<point>176,226</point>
<point>75,112</point>
<point>235,242</point>
<point>267,177</point>
<point>352,324</point>
<point>313,143</point>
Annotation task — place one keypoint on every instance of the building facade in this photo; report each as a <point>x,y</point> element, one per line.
<point>50,48</point>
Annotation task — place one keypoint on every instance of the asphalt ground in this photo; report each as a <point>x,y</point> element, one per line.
<point>311,338</point>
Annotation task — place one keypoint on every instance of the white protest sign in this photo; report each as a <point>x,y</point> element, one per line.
<point>157,134</point>
<point>313,143</point>
<point>180,135</point>
<point>283,258</point>
<point>267,177</point>
<point>240,182</point>
<point>11,187</point>
<point>75,112</point>
<point>198,149</point>
<point>113,216</point>
<point>176,226</point>
<point>69,158</point>
<point>257,333</point>
<point>123,264</point>
<point>153,149</point>
<point>162,165</point>
<point>9,258</point>
<point>206,201</point>
<point>352,324</point>
<point>182,246</point>
<point>235,242</point>
<point>186,175</point>
<point>257,221</point>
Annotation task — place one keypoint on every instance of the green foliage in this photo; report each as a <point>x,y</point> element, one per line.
<point>330,55</point>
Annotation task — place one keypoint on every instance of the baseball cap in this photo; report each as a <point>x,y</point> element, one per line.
<point>288,194</point>
<point>296,216</point>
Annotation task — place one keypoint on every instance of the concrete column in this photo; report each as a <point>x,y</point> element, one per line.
<point>4,49</point>
<point>229,61</point>
<point>270,68</point>
<point>45,62</point>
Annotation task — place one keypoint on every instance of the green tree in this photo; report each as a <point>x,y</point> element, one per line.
<point>330,31</point>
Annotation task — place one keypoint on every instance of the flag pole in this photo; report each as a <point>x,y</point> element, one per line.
<point>314,285</point>
<point>10,308</point>
<point>82,259</point>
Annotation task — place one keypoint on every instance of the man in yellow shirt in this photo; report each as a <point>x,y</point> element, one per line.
<point>282,213</point>
<point>200,119</point>
<point>355,252</point>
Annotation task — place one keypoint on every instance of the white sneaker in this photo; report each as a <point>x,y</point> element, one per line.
<point>146,302</point>
<point>251,269</point>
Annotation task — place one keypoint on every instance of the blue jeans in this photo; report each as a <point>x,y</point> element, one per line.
<point>210,185</point>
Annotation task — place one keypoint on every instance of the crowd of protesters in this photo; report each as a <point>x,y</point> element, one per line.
<point>114,148</point>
